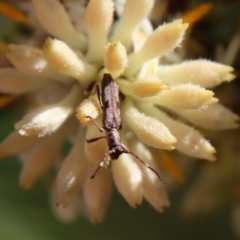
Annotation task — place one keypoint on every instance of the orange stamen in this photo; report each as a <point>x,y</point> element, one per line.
<point>197,13</point>
<point>14,14</point>
<point>5,100</point>
<point>167,162</point>
<point>3,46</point>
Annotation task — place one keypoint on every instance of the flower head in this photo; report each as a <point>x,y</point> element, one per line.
<point>60,78</point>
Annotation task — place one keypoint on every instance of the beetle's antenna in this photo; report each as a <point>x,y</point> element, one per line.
<point>145,164</point>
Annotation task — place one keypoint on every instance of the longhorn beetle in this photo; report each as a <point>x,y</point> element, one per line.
<point>109,102</point>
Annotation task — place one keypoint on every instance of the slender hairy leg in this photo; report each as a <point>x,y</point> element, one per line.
<point>103,163</point>
<point>100,129</point>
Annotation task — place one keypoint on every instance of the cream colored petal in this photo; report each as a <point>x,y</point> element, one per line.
<point>154,191</point>
<point>142,87</point>
<point>97,194</point>
<point>148,70</point>
<point>31,60</point>
<point>55,20</point>
<point>153,187</point>
<point>190,141</point>
<point>148,129</point>
<point>162,41</point>
<point>47,119</point>
<point>38,161</point>
<point>88,107</point>
<point>230,54</point>
<point>140,35</point>
<point>16,143</point>
<point>127,176</point>
<point>115,58</point>
<point>66,61</point>
<point>76,10</point>
<point>13,81</point>
<point>99,17</point>
<point>49,94</point>
<point>72,173</point>
<point>184,96</point>
<point>215,185</point>
<point>67,214</point>
<point>95,150</point>
<point>131,17</point>
<point>205,73</point>
<point>214,117</point>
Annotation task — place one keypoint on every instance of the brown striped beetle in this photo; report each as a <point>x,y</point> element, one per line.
<point>110,104</point>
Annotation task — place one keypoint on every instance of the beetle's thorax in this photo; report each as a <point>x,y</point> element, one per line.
<point>113,137</point>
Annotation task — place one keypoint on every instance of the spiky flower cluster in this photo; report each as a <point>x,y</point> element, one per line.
<point>59,78</point>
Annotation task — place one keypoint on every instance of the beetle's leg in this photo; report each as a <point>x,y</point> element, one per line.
<point>100,129</point>
<point>97,89</point>
<point>103,163</point>
<point>94,139</point>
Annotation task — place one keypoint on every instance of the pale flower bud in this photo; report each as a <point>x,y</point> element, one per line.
<point>205,194</point>
<point>132,15</point>
<point>148,129</point>
<point>184,96</point>
<point>115,58</point>
<point>99,17</point>
<point>16,144</point>
<point>14,82</point>
<point>230,54</point>
<point>49,118</point>
<point>67,214</point>
<point>190,141</point>
<point>211,117</point>
<point>66,61</point>
<point>52,15</point>
<point>89,107</point>
<point>97,194</point>
<point>142,87</point>
<point>127,176</point>
<point>32,61</point>
<point>38,161</point>
<point>153,189</point>
<point>205,73</point>
<point>162,41</point>
<point>72,173</point>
